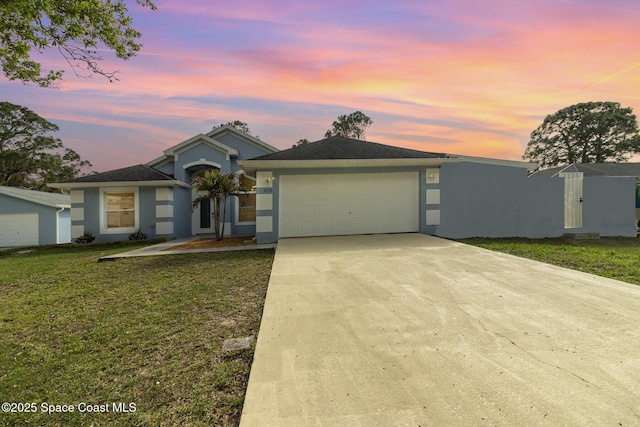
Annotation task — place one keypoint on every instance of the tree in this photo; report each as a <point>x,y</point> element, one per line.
<point>216,186</point>
<point>241,126</point>
<point>303,141</point>
<point>73,27</point>
<point>29,157</point>
<point>353,125</point>
<point>591,132</point>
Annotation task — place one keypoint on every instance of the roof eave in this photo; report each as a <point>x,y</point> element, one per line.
<point>250,138</point>
<point>252,165</point>
<point>184,145</point>
<point>560,169</point>
<point>498,162</point>
<point>157,183</point>
<point>36,201</point>
<point>159,161</point>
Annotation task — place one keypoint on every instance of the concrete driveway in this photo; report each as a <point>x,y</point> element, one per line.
<point>408,329</point>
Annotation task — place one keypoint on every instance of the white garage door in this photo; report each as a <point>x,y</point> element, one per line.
<point>327,205</point>
<point>18,229</point>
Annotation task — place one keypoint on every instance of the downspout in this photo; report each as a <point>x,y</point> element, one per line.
<point>58,225</point>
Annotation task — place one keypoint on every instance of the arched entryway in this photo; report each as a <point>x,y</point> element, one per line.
<point>202,215</point>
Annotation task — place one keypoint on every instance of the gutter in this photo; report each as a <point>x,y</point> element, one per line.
<point>71,185</point>
<point>57,224</point>
<point>529,166</point>
<point>252,165</point>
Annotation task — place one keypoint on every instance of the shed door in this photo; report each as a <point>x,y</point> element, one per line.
<point>339,204</point>
<point>572,199</point>
<point>19,229</point>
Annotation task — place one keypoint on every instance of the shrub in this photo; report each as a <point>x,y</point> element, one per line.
<point>138,235</point>
<point>87,237</point>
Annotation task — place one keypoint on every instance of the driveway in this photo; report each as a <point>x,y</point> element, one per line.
<point>408,329</point>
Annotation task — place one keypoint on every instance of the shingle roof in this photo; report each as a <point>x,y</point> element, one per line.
<point>594,169</point>
<point>131,173</point>
<point>338,147</point>
<point>39,197</point>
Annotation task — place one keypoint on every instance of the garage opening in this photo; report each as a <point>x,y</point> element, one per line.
<point>342,204</point>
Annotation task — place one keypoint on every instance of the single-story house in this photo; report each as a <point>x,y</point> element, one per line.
<point>155,198</point>
<point>29,218</point>
<point>340,186</point>
<point>600,170</point>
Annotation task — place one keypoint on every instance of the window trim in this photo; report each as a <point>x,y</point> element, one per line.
<point>103,210</point>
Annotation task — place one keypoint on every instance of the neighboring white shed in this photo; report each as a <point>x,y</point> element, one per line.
<point>30,217</point>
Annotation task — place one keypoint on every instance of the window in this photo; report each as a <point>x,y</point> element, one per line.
<point>119,212</point>
<point>246,206</point>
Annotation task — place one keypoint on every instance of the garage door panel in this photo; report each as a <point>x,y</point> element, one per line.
<point>323,212</point>
<point>339,212</point>
<point>341,194</point>
<point>289,213</point>
<point>307,228</point>
<point>308,198</point>
<point>289,229</point>
<point>319,205</point>
<point>323,197</point>
<point>323,228</point>
<point>306,212</point>
<point>375,210</point>
<point>289,198</point>
<point>339,228</point>
<point>368,228</point>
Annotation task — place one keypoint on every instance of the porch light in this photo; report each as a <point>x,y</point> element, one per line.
<point>269,179</point>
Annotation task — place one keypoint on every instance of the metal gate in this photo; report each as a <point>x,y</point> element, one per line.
<point>572,199</point>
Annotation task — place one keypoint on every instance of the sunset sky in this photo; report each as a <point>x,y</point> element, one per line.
<point>457,76</point>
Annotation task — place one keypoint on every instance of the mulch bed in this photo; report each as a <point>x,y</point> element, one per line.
<point>213,243</point>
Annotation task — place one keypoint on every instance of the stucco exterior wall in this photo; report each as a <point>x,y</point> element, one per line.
<point>147,224</point>
<point>609,206</point>
<point>246,150</point>
<point>86,214</point>
<point>480,200</point>
<point>167,168</point>
<point>196,154</point>
<point>181,212</point>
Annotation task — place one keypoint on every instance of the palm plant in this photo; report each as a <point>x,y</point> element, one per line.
<point>216,186</point>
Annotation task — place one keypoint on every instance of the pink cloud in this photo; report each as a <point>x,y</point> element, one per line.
<point>466,77</point>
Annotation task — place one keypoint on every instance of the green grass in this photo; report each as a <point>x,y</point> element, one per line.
<point>142,330</point>
<point>616,258</point>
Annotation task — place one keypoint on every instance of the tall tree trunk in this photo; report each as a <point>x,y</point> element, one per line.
<point>216,217</point>
<point>224,216</point>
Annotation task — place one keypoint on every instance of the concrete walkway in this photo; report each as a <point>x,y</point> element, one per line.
<point>165,248</point>
<point>413,330</point>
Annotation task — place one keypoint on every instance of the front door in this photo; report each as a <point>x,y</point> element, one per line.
<point>202,218</point>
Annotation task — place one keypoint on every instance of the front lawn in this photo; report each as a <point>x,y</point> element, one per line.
<point>137,341</point>
<point>616,258</point>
